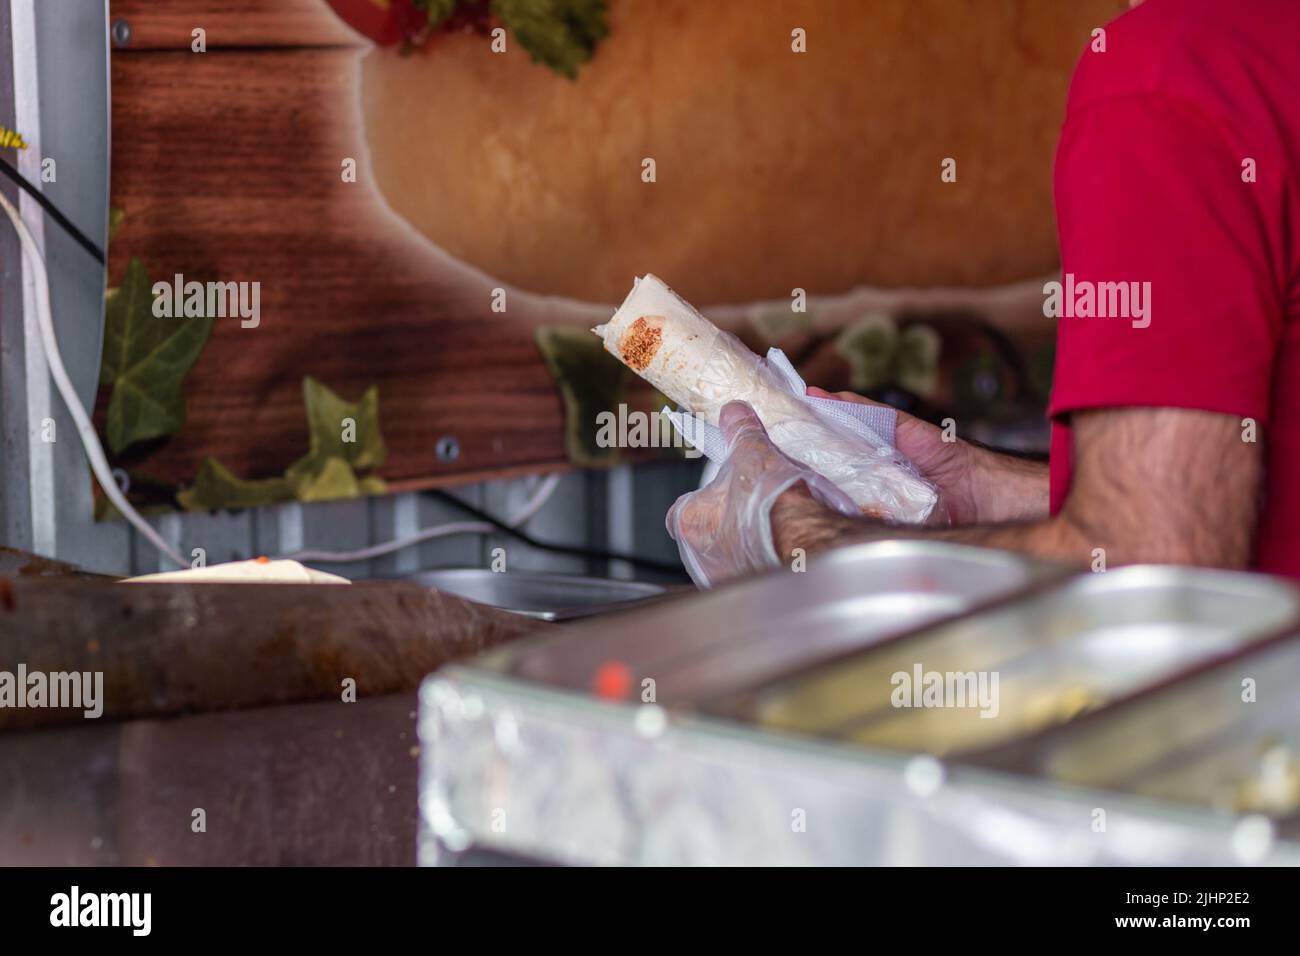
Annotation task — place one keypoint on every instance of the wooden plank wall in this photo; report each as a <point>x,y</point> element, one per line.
<point>227,167</point>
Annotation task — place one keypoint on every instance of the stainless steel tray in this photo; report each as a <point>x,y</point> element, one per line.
<point>517,768</point>
<point>1064,650</point>
<point>753,630</point>
<point>550,597</point>
<point>1226,738</point>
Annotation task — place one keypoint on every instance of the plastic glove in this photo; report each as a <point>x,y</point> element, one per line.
<point>724,530</point>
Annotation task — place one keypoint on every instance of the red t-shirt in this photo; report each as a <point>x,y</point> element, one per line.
<point>1190,99</point>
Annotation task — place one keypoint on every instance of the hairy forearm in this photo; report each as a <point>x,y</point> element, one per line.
<point>1006,488</point>
<point>1111,534</point>
<point>1151,485</point>
<point>798,522</point>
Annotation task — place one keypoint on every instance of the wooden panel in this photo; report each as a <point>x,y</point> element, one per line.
<point>169,24</point>
<point>228,167</point>
<point>122,794</point>
<point>774,170</point>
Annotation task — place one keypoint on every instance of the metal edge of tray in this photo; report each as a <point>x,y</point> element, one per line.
<point>742,705</point>
<point>1028,754</point>
<point>958,819</point>
<point>579,581</point>
<point>1035,573</point>
<point>1036,570</point>
<point>574,615</point>
<point>644,592</point>
<point>749,658</point>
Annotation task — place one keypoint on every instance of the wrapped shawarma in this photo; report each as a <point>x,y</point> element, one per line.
<point>663,339</point>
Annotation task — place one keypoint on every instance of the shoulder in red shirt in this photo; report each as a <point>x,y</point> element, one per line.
<point>1178,206</point>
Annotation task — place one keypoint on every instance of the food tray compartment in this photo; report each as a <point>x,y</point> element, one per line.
<point>1226,738</point>
<point>754,630</point>
<point>1056,653</point>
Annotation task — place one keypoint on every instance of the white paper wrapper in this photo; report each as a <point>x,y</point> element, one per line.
<point>245,572</point>
<point>662,338</point>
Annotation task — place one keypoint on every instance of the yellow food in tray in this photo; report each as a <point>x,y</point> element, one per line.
<point>1018,709</point>
<point>948,730</point>
<point>1266,781</point>
<point>1276,788</point>
<point>834,698</point>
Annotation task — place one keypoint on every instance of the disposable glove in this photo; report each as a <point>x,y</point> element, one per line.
<point>724,530</point>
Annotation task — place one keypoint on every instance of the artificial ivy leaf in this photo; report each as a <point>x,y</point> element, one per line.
<point>590,382</point>
<point>145,361</point>
<point>339,429</point>
<point>215,487</point>
<point>437,10</point>
<point>115,217</point>
<point>918,359</point>
<point>334,479</point>
<point>774,325</point>
<point>561,34</point>
<point>869,345</point>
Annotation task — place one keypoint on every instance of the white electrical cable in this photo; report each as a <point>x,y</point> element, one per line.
<point>539,498</point>
<point>377,550</point>
<point>85,429</point>
<point>103,473</point>
<point>530,508</point>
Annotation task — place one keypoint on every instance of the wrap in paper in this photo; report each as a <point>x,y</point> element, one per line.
<point>663,339</point>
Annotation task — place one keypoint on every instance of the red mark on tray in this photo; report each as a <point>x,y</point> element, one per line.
<point>612,681</point>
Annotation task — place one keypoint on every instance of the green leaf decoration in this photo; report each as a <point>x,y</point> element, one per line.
<point>775,325</point>
<point>345,439</point>
<point>334,479</point>
<point>561,34</point>
<point>918,359</point>
<point>869,346</point>
<point>437,11</point>
<point>339,429</point>
<point>115,217</point>
<point>146,359</point>
<point>215,487</point>
<point>590,381</point>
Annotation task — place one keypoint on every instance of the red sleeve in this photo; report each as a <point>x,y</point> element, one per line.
<point>1148,190</point>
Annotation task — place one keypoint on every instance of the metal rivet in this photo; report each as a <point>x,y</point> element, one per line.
<point>448,448</point>
<point>121,32</point>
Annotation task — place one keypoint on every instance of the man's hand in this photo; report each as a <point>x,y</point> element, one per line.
<point>725,529</point>
<point>1159,485</point>
<point>976,485</point>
